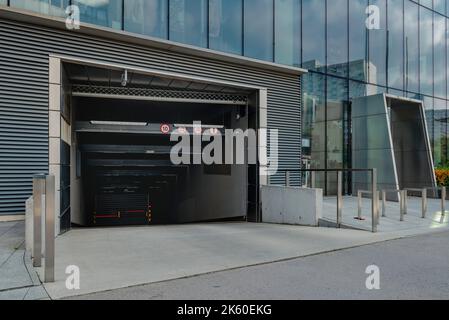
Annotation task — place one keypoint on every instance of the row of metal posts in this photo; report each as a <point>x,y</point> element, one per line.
<point>403,196</point>
<point>374,208</point>
<point>44,185</point>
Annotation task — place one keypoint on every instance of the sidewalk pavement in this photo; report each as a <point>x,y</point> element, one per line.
<point>18,279</point>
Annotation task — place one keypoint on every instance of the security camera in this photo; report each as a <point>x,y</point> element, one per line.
<point>125,78</point>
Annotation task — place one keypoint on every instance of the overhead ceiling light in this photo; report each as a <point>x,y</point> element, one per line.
<point>119,123</point>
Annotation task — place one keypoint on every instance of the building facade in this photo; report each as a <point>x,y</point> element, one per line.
<point>351,48</point>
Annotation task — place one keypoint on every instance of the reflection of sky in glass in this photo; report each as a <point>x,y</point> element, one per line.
<point>188,22</point>
<point>259,29</point>
<point>226,25</point>
<point>426,52</point>
<point>53,8</point>
<point>395,43</point>
<point>314,46</point>
<point>148,17</point>
<point>337,34</point>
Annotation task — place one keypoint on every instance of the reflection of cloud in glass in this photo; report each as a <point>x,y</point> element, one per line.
<point>94,3</point>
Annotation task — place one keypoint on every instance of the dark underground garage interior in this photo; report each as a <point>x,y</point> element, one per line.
<point>121,172</point>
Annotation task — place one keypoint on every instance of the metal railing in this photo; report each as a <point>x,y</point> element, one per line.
<point>403,195</point>
<point>44,246</point>
<point>339,173</point>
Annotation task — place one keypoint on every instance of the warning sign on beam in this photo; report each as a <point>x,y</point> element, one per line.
<point>165,128</point>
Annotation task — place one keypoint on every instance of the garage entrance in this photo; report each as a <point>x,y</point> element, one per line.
<point>116,167</point>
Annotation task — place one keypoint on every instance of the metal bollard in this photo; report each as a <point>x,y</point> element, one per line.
<point>38,192</point>
<point>402,205</point>
<point>339,198</point>
<point>443,204</point>
<point>424,203</point>
<point>378,207</point>
<point>49,269</point>
<point>359,211</point>
<point>374,204</point>
<point>405,201</point>
<point>384,204</point>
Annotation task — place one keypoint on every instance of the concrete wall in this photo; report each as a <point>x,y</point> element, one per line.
<point>290,205</point>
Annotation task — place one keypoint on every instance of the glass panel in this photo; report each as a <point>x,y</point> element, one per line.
<point>288,32</point>
<point>378,47</point>
<point>147,17</point>
<point>107,13</point>
<point>439,6</point>
<point>411,47</point>
<point>53,8</point>
<point>426,51</point>
<point>258,29</point>
<point>226,25</point>
<point>3,2</point>
<point>313,117</point>
<point>314,34</point>
<point>395,45</point>
<point>358,53</point>
<point>440,133</point>
<point>427,3</point>
<point>337,35</point>
<point>337,128</point>
<point>428,109</point>
<point>188,22</point>
<point>439,35</point>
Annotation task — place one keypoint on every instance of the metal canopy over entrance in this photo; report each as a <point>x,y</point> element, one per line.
<point>390,133</point>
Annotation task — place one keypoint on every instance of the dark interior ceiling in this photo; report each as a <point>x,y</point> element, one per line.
<point>94,76</point>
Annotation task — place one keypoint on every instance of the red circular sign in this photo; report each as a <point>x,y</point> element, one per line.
<point>165,128</point>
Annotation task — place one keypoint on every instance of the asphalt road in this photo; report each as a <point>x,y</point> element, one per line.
<point>411,268</point>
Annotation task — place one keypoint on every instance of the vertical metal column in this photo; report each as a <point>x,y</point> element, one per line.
<point>443,204</point>
<point>339,198</point>
<point>38,192</point>
<point>49,270</point>
<point>374,204</point>
<point>424,203</point>
<point>313,180</point>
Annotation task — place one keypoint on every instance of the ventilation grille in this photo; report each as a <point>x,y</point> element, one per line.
<point>159,94</point>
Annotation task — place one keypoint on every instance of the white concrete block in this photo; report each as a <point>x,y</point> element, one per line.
<point>54,73</point>
<point>54,97</point>
<point>55,170</point>
<point>54,151</point>
<point>263,118</point>
<point>54,124</point>
<point>263,99</point>
<point>289,205</point>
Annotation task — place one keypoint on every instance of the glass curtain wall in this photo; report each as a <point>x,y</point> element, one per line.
<point>364,46</point>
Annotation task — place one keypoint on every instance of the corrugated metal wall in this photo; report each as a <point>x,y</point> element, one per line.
<point>24,51</point>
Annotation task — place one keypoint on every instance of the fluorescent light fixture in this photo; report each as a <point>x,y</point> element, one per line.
<point>119,123</point>
<point>204,126</point>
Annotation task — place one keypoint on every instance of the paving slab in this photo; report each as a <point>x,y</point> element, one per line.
<point>111,258</point>
<point>18,279</point>
<point>413,222</point>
